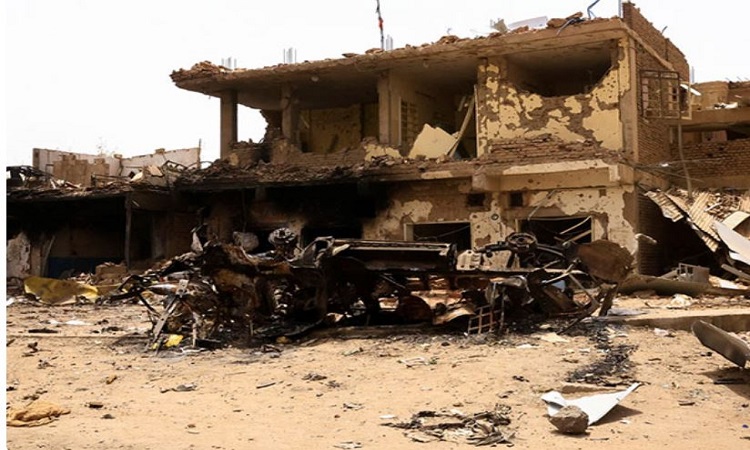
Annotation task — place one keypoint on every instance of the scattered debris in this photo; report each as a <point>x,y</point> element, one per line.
<point>181,388</point>
<point>312,376</point>
<point>595,406</point>
<point>265,384</point>
<point>612,368</point>
<point>483,428</point>
<point>348,445</point>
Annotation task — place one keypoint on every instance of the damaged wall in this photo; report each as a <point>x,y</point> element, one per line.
<point>337,210</point>
<point>653,133</point>
<point>18,256</point>
<point>612,209</point>
<point>717,164</point>
<point>334,129</point>
<point>407,104</point>
<point>506,112</point>
<point>78,168</point>
<point>655,39</point>
<point>433,202</point>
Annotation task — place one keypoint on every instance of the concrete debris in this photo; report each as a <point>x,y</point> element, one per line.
<point>570,420</point>
<point>432,142</point>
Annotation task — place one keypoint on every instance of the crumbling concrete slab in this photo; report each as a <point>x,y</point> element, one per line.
<point>432,142</point>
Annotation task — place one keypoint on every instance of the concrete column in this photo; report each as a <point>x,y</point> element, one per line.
<point>228,122</point>
<point>384,109</point>
<point>289,115</point>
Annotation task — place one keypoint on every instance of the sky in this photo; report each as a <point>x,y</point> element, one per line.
<point>93,75</point>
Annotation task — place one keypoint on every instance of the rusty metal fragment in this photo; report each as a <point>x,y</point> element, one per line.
<point>731,347</point>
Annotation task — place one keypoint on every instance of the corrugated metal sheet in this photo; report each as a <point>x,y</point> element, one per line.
<point>697,217</point>
<point>701,211</point>
<point>668,208</point>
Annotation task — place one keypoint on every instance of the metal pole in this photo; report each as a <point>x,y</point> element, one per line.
<point>380,25</point>
<point>682,159</point>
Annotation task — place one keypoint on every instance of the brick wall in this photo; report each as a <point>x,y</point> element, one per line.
<point>653,37</point>
<point>653,134</point>
<point>729,160</point>
<point>545,149</point>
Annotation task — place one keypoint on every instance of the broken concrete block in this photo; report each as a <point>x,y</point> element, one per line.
<point>432,142</point>
<point>570,420</point>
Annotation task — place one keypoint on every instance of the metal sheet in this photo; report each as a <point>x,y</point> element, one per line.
<point>668,208</point>
<point>718,340</point>
<point>595,406</point>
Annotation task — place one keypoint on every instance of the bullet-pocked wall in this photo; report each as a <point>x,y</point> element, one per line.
<point>573,93</point>
<point>435,202</point>
<point>611,211</point>
<point>492,216</point>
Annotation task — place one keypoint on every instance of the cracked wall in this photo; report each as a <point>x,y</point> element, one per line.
<point>508,112</point>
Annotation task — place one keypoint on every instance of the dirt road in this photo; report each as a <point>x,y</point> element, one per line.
<point>326,393</point>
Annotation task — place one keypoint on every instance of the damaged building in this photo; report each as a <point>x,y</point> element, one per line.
<point>557,130</point>
<point>572,130</point>
<point>69,212</point>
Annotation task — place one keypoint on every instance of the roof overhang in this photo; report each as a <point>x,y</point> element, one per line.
<point>354,79</point>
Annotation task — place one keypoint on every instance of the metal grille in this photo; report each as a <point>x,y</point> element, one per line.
<point>661,96</point>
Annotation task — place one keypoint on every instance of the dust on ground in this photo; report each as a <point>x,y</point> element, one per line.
<point>339,393</point>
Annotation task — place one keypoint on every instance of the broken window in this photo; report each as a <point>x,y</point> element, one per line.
<point>476,200</point>
<point>516,199</point>
<point>560,72</point>
<point>556,230</point>
<point>458,233</point>
<point>661,94</point>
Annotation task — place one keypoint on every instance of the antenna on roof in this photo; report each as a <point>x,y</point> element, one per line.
<point>230,63</point>
<point>380,25</point>
<point>290,55</point>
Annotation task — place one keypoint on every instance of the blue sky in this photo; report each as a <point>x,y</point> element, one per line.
<point>89,75</point>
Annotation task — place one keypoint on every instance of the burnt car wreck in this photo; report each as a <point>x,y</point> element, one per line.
<point>220,292</point>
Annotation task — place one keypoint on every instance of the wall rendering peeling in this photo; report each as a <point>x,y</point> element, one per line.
<point>607,206</point>
<point>506,112</point>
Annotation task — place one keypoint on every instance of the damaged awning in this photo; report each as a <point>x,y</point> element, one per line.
<point>702,210</point>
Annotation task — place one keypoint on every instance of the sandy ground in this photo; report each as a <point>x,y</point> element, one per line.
<point>246,398</point>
